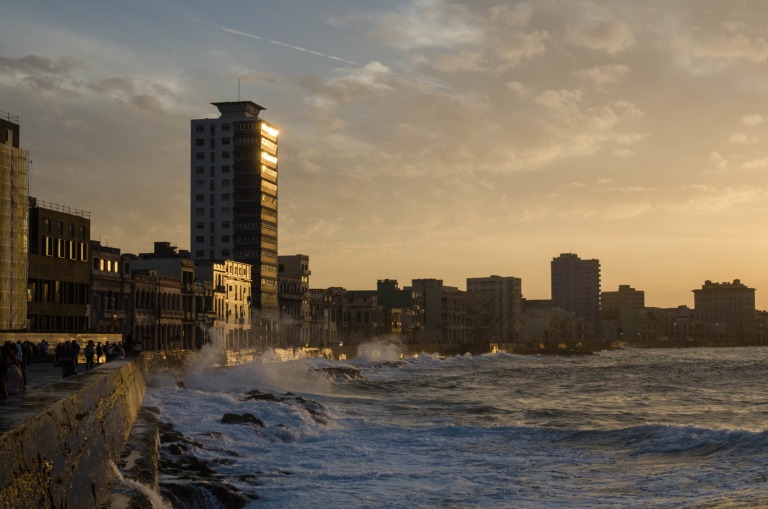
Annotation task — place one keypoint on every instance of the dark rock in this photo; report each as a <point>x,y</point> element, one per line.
<point>170,436</point>
<point>177,449</point>
<point>242,419</point>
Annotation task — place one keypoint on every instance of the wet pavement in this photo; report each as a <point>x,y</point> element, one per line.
<point>46,386</point>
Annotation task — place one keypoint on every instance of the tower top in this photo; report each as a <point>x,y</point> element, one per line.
<point>239,109</point>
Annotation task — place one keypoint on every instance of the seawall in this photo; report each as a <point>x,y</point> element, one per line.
<point>58,443</point>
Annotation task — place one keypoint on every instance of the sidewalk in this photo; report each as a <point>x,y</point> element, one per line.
<point>43,373</point>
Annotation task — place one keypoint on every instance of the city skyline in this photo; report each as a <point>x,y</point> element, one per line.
<point>422,139</point>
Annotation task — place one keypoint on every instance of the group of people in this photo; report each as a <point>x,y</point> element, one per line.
<point>68,355</point>
<point>15,357</point>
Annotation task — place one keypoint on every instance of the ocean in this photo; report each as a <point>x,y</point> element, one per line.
<point>633,428</point>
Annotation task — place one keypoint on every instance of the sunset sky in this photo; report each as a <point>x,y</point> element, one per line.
<point>421,139</point>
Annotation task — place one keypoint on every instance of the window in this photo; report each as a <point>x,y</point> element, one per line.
<point>199,197</point>
<point>226,183</point>
<point>200,128</point>
<point>225,155</point>
<point>225,252</point>
<point>60,227</point>
<point>60,250</point>
<point>199,226</point>
<point>200,253</point>
<point>225,168</point>
<point>200,156</point>
<point>71,230</point>
<point>212,129</point>
<point>225,141</point>
<point>212,157</point>
<point>72,250</point>
<point>47,225</point>
<point>212,199</point>
<point>199,211</point>
<point>83,252</point>
<point>212,171</point>
<point>48,246</point>
<point>82,232</point>
<point>225,225</point>
<point>199,239</point>
<point>200,183</point>
<point>200,142</point>
<point>225,127</point>
<point>225,238</point>
<point>200,170</point>
<point>225,197</point>
<point>96,262</point>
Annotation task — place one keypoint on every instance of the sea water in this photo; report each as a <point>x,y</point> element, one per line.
<point>628,428</point>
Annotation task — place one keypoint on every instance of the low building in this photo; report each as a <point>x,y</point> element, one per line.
<point>58,281</point>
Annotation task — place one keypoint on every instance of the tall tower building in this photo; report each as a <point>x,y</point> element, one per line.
<point>233,198</point>
<point>576,287</point>
<point>14,191</point>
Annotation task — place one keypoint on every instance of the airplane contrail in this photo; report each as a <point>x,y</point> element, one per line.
<point>324,55</point>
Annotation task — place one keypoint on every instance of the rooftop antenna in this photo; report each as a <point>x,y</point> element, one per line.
<point>238,89</point>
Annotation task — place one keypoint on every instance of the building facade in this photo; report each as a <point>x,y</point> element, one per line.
<point>505,301</point>
<point>293,285</point>
<point>576,287</point>
<point>445,311</point>
<point>231,282</point>
<point>725,312</point>
<point>233,198</point>
<point>58,282</point>
<point>14,191</point>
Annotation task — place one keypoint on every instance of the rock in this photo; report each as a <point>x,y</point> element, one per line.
<point>242,419</point>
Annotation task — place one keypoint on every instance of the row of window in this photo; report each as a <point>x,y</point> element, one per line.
<point>200,170</point>
<point>200,128</point>
<point>212,183</point>
<point>224,197</point>
<point>200,156</point>
<point>57,227</point>
<point>62,248</point>
<point>50,291</point>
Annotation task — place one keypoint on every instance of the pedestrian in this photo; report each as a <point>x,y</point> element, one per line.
<point>68,360</point>
<point>90,351</point>
<point>99,352</point>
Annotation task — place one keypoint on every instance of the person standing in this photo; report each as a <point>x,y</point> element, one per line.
<point>90,351</point>
<point>68,360</point>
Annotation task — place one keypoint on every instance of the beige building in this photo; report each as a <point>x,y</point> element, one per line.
<point>231,301</point>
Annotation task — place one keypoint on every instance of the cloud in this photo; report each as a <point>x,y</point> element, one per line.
<point>755,164</point>
<point>514,47</point>
<point>622,152</point>
<point>743,139</point>
<point>517,16</point>
<point>753,119</point>
<point>726,46</point>
<point>604,74</point>
<point>720,162</point>
<point>610,36</point>
<point>425,24</point>
<point>31,64</point>
<point>464,61</point>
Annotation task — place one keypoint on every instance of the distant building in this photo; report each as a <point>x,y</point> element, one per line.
<point>545,324</point>
<point>293,284</point>
<point>621,314</point>
<point>233,198</point>
<point>14,191</point>
<point>181,327</point>
<point>725,312</point>
<point>576,287</point>
<point>231,297</point>
<point>505,304</point>
<point>58,282</point>
<point>111,308</point>
<point>445,310</point>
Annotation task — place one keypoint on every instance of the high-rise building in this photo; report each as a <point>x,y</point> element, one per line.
<point>14,190</point>
<point>576,287</point>
<point>233,198</point>
<point>505,299</point>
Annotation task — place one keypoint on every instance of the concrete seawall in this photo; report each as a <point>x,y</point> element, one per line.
<point>58,442</point>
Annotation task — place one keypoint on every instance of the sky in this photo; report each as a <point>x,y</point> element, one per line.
<point>420,139</point>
